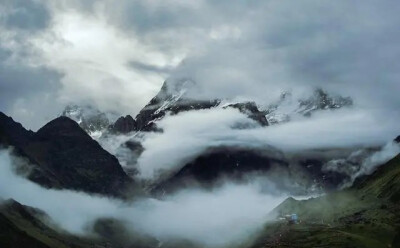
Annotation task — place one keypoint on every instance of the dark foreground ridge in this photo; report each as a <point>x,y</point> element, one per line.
<point>64,156</point>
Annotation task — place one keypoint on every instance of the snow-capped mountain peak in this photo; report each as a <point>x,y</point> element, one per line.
<point>90,119</point>
<point>287,108</point>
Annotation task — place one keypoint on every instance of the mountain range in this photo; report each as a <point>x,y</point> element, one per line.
<point>173,99</point>
<point>72,152</point>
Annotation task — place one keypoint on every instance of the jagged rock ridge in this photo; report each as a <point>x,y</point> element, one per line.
<point>173,100</point>
<point>123,125</point>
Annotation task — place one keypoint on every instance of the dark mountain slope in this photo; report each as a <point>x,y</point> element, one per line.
<point>13,133</point>
<point>218,163</point>
<point>76,160</point>
<point>65,156</point>
<point>227,162</point>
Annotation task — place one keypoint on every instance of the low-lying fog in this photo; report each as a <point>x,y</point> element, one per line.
<point>219,217</point>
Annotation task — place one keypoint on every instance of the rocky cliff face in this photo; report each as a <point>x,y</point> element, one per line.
<point>65,156</point>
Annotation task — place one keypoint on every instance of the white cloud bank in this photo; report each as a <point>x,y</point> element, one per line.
<point>188,134</point>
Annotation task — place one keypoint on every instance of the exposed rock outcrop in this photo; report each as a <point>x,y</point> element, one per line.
<point>252,111</point>
<point>123,125</point>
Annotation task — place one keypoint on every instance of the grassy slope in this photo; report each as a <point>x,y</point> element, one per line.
<point>20,227</point>
<point>12,236</point>
<point>367,215</point>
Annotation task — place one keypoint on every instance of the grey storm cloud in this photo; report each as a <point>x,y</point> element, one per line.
<point>231,49</point>
<point>25,87</point>
<point>144,18</point>
<point>18,81</point>
<point>24,90</point>
<point>347,47</point>
<point>150,68</point>
<point>25,14</point>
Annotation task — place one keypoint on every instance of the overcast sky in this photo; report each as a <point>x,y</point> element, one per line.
<point>115,55</point>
